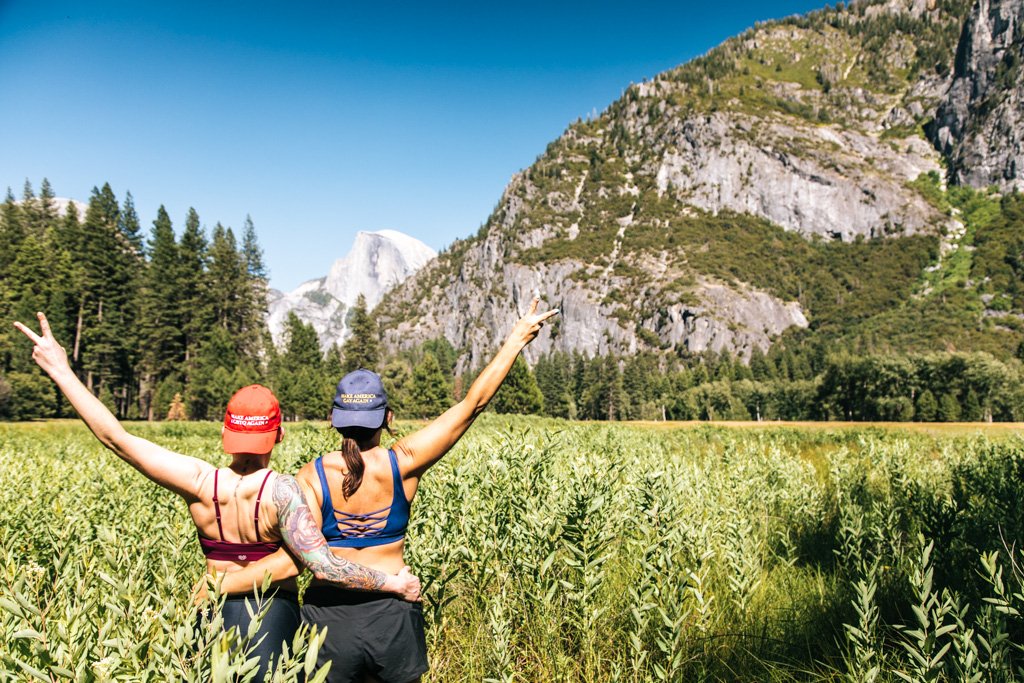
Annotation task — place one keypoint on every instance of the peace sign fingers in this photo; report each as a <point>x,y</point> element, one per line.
<point>544,316</point>
<point>36,339</point>
<point>530,324</point>
<point>48,354</point>
<point>44,325</point>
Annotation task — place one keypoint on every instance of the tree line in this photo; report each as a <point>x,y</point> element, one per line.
<point>790,382</point>
<point>164,326</point>
<point>144,317</point>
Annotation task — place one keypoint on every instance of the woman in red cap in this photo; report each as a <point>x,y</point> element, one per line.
<point>362,495</point>
<point>236,521</point>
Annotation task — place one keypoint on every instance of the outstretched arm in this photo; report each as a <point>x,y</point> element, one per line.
<point>428,445</point>
<point>179,473</point>
<point>306,541</point>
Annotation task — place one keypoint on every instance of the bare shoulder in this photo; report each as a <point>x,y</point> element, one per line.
<point>405,453</point>
<point>403,449</point>
<point>204,482</point>
<point>307,473</point>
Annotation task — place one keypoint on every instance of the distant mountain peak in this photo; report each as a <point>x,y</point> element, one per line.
<point>377,262</point>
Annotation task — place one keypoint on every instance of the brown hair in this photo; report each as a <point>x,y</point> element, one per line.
<point>352,439</point>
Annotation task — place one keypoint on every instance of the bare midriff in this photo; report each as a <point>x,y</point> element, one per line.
<point>385,558</point>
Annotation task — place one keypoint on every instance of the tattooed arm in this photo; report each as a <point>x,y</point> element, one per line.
<point>304,538</point>
<point>306,542</point>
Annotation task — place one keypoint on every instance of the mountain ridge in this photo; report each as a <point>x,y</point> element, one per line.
<point>809,126</point>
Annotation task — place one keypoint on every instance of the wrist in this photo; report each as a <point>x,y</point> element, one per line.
<point>62,374</point>
<point>514,345</point>
<point>391,585</point>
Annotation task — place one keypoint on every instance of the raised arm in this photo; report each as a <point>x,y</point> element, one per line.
<point>428,445</point>
<point>178,473</point>
<point>305,541</point>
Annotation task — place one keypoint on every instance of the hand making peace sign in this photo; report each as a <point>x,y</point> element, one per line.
<point>529,325</point>
<point>48,354</point>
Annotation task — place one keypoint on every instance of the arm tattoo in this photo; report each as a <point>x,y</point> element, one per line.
<point>305,539</point>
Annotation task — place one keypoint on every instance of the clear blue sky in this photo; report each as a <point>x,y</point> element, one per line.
<point>322,119</point>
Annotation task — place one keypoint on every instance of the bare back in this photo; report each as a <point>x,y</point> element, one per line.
<point>237,497</point>
<point>375,493</point>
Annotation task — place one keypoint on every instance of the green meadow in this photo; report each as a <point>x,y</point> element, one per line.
<point>566,551</point>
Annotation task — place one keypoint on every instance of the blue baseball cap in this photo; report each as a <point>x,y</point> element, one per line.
<point>360,401</point>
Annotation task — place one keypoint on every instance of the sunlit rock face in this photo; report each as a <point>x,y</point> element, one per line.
<point>980,125</point>
<point>377,262</point>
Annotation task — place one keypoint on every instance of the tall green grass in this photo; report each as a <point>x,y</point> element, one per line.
<point>560,551</point>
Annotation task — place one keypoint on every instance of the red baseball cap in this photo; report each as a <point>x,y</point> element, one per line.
<point>251,421</point>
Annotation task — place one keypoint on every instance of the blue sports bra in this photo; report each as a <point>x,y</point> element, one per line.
<point>345,530</point>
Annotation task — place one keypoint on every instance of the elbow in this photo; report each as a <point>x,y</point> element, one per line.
<point>118,445</point>
<point>476,403</point>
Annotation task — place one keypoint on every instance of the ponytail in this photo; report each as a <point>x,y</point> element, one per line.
<point>352,440</point>
<point>354,464</point>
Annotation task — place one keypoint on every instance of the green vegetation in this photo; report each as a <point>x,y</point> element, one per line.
<point>362,349</point>
<point>790,383</point>
<point>554,550</point>
<point>141,321</point>
<point>836,282</point>
<point>998,261</point>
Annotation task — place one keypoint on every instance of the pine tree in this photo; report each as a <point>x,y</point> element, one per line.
<point>972,411</point>
<point>30,209</point>
<point>176,411</point>
<point>602,396</point>
<point>69,235</point>
<point>616,397</point>
<point>444,352</point>
<point>211,383</point>
<point>128,223</point>
<point>160,325</point>
<point>362,347</point>
<point>256,305</point>
<point>227,282</point>
<point>252,252</point>
<point>949,408</point>
<point>47,207</point>
<point>195,313</point>
<point>12,231</point>
<point>26,290</point>
<point>554,379</point>
<point>333,367</point>
<point>519,392</point>
<point>110,267</point>
<point>927,407</point>
<point>397,380</point>
<point>641,378</point>
<point>302,346</point>
<point>760,368</point>
<point>297,375</point>
<point>430,391</point>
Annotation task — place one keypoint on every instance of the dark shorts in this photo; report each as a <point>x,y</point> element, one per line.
<point>279,624</point>
<point>368,633</point>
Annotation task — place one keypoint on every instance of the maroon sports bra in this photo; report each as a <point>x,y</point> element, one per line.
<point>228,551</point>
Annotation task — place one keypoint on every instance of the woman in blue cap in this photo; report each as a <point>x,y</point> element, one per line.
<point>362,495</point>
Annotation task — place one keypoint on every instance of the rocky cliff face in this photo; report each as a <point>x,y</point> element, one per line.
<point>377,262</point>
<point>827,181</point>
<point>980,124</point>
<point>811,125</point>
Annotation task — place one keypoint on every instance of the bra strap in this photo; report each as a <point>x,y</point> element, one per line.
<point>398,489</point>
<point>216,504</point>
<point>259,496</point>
<point>327,507</point>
